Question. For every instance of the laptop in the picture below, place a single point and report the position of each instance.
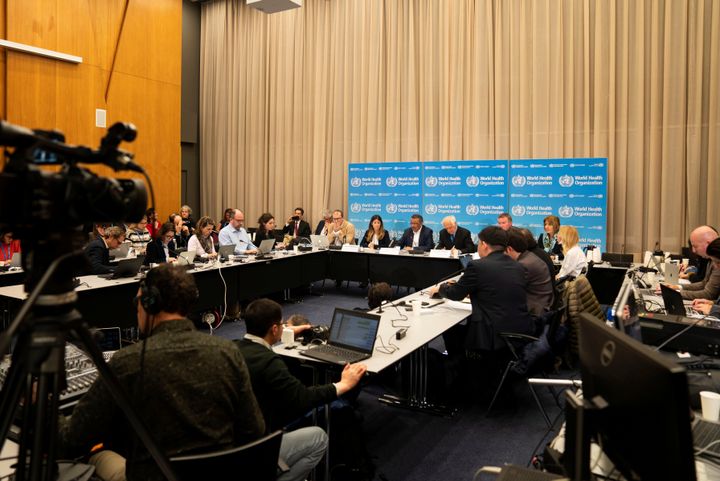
(672, 273)
(674, 303)
(266, 247)
(186, 258)
(16, 260)
(319, 241)
(125, 268)
(226, 251)
(352, 338)
(121, 252)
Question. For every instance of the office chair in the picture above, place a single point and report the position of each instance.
(255, 461)
(532, 356)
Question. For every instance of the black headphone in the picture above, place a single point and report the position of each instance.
(150, 297)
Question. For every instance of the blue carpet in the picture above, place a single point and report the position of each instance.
(412, 446)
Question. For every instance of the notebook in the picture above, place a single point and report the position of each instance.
(674, 302)
(319, 241)
(125, 268)
(352, 338)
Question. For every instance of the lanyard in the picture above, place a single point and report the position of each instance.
(6, 253)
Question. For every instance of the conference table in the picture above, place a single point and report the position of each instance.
(108, 302)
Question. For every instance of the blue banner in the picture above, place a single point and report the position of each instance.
(574, 190)
(391, 189)
(475, 192)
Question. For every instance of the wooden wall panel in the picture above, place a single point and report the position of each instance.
(144, 87)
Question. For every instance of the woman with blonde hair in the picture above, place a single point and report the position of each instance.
(574, 261)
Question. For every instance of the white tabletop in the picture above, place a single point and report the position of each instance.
(429, 324)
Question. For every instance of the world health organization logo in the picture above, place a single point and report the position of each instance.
(431, 209)
(472, 209)
(518, 210)
(566, 181)
(565, 211)
(472, 181)
(519, 181)
(391, 208)
(356, 182)
(391, 181)
(431, 181)
(355, 207)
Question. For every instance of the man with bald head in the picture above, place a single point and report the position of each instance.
(235, 234)
(455, 237)
(709, 287)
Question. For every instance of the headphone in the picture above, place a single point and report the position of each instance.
(150, 297)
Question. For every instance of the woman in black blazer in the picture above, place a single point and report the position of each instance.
(266, 228)
(155, 252)
(376, 236)
(548, 239)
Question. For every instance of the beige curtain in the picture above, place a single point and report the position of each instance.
(289, 99)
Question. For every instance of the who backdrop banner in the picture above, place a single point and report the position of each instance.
(574, 190)
(475, 192)
(391, 189)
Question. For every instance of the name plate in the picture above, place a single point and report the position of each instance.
(350, 248)
(441, 253)
(390, 250)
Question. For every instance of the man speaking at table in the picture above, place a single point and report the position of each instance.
(417, 236)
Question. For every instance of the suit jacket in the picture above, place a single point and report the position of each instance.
(384, 242)
(280, 395)
(496, 285)
(540, 283)
(99, 256)
(303, 229)
(463, 241)
(155, 252)
(708, 288)
(424, 243)
(320, 227)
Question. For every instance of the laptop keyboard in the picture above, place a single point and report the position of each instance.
(330, 353)
(704, 433)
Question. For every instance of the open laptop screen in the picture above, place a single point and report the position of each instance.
(354, 329)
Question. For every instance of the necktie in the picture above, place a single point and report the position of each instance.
(452, 239)
(296, 228)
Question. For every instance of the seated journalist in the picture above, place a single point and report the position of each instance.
(281, 396)
(98, 250)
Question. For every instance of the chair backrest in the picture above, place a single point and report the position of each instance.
(255, 461)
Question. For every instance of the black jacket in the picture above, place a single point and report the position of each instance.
(156, 254)
(556, 250)
(496, 285)
(303, 229)
(280, 395)
(384, 242)
(99, 256)
(424, 243)
(463, 241)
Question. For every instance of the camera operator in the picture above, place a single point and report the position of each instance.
(98, 251)
(206, 407)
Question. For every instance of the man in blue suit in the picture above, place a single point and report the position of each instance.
(417, 236)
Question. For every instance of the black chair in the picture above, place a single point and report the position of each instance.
(255, 461)
(532, 356)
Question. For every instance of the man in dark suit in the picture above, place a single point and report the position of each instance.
(539, 287)
(98, 251)
(281, 396)
(496, 286)
(325, 224)
(455, 237)
(296, 225)
(417, 236)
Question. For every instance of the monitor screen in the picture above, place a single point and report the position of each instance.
(645, 427)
